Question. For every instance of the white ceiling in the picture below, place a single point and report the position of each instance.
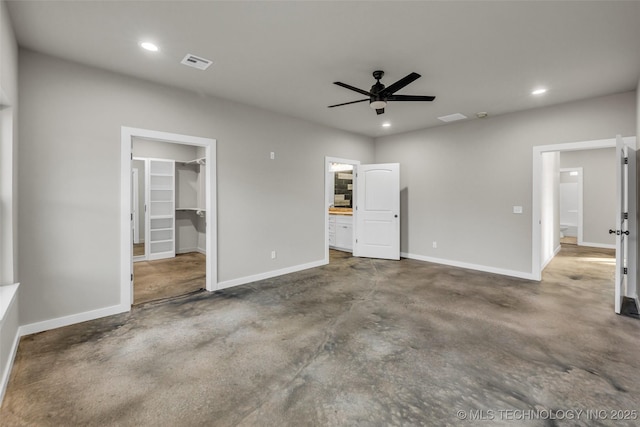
(473, 56)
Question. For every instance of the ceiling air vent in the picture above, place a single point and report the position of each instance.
(196, 62)
(452, 117)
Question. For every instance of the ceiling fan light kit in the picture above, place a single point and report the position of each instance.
(379, 95)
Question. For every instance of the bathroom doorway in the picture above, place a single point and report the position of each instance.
(339, 205)
(571, 205)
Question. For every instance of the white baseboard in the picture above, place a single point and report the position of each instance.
(45, 325)
(477, 267)
(269, 274)
(597, 245)
(190, 250)
(555, 252)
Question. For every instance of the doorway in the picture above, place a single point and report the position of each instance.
(571, 205)
(159, 237)
(339, 205)
(546, 215)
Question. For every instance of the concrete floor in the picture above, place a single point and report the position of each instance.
(169, 277)
(357, 342)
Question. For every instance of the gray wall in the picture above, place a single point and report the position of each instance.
(599, 192)
(71, 176)
(460, 181)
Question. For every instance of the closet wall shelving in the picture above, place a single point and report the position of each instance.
(196, 206)
(161, 195)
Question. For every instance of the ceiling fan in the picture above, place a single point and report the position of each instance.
(379, 95)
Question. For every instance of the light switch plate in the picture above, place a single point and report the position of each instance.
(517, 209)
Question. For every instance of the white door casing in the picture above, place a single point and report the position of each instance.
(126, 259)
(377, 214)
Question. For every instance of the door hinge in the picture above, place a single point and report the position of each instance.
(626, 215)
(626, 160)
(132, 277)
(131, 156)
(131, 217)
(356, 240)
(624, 270)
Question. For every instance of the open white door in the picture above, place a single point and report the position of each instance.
(621, 230)
(377, 214)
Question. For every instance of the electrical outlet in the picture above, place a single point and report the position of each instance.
(517, 209)
(273, 155)
(435, 245)
(273, 254)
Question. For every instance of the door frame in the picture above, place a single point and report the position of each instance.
(327, 190)
(536, 228)
(580, 191)
(126, 248)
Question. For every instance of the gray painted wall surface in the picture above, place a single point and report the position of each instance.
(460, 181)
(599, 191)
(71, 182)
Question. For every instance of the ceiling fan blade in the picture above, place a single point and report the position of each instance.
(410, 98)
(389, 90)
(355, 89)
(379, 111)
(347, 103)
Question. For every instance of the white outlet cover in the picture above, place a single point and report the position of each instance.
(517, 209)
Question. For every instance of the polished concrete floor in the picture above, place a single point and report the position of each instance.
(170, 277)
(357, 342)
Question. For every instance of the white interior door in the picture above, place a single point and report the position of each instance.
(622, 230)
(377, 214)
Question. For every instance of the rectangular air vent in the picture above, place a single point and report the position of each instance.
(452, 117)
(196, 62)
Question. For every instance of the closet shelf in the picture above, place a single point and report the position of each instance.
(200, 161)
(161, 217)
(198, 211)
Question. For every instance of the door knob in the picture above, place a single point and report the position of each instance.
(395, 216)
(612, 231)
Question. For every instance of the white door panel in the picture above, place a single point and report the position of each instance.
(378, 211)
(621, 230)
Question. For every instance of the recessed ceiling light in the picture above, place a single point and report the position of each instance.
(386, 125)
(149, 46)
(538, 91)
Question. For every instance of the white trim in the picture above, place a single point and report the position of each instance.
(536, 264)
(477, 267)
(327, 164)
(555, 252)
(189, 250)
(8, 300)
(127, 135)
(59, 322)
(270, 274)
(6, 373)
(7, 297)
(597, 245)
